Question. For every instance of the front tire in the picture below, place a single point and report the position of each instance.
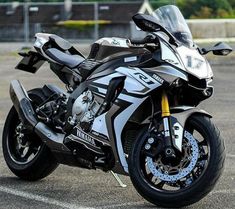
(202, 183)
(30, 159)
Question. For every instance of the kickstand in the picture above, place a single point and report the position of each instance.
(118, 179)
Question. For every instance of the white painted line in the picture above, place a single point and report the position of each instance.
(230, 155)
(122, 205)
(224, 191)
(40, 198)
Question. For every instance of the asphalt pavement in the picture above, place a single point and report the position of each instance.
(69, 187)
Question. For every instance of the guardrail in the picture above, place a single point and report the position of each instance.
(212, 28)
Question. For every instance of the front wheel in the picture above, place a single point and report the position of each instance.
(185, 179)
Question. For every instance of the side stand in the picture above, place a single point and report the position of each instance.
(118, 179)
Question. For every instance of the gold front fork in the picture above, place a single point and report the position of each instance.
(165, 105)
(169, 152)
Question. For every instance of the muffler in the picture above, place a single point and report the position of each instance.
(23, 106)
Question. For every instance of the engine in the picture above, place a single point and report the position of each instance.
(84, 110)
(86, 149)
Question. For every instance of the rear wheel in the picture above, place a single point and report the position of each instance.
(25, 154)
(187, 178)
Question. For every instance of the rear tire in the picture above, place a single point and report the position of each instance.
(200, 187)
(42, 164)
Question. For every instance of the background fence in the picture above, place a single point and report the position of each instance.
(77, 20)
(85, 21)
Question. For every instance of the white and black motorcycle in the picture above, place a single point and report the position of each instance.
(129, 108)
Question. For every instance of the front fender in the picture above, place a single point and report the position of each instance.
(179, 116)
(182, 113)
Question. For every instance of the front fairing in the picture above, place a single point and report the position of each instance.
(194, 62)
(182, 53)
(187, 59)
(169, 55)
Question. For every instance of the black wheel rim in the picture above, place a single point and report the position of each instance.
(171, 186)
(22, 147)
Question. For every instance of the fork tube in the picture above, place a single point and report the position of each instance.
(165, 114)
(165, 105)
(166, 123)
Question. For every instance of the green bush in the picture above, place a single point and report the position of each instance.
(82, 24)
(207, 8)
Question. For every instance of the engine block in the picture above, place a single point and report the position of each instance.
(84, 110)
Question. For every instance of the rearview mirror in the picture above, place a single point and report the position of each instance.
(221, 49)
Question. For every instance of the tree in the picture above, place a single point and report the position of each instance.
(232, 3)
(204, 12)
(187, 7)
(205, 8)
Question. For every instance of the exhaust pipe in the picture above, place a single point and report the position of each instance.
(23, 106)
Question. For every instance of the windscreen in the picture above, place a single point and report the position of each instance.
(171, 18)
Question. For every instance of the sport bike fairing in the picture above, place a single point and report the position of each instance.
(175, 39)
(138, 84)
(187, 59)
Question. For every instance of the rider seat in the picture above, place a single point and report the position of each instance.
(60, 42)
(63, 58)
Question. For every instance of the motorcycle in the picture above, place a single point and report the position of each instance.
(130, 107)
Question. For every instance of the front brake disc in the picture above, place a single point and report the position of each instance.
(156, 170)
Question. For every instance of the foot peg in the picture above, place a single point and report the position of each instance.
(118, 179)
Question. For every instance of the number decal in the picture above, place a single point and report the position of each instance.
(193, 62)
